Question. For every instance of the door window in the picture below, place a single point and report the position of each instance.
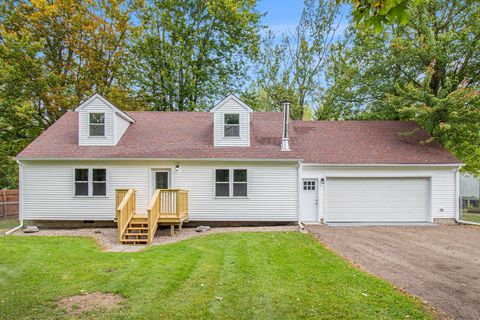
(161, 180)
(309, 185)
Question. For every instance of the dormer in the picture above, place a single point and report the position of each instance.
(100, 123)
(231, 123)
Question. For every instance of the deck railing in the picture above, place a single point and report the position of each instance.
(119, 195)
(153, 215)
(173, 203)
(125, 211)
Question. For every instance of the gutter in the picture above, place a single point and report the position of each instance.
(20, 202)
(165, 159)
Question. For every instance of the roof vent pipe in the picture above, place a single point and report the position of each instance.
(286, 117)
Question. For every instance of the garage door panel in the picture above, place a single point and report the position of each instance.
(377, 199)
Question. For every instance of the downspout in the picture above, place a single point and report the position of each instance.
(299, 195)
(20, 202)
(457, 195)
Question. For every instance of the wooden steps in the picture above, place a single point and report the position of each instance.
(137, 231)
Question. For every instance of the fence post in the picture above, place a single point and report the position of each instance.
(4, 193)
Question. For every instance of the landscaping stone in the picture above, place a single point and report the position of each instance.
(108, 238)
(31, 229)
(202, 228)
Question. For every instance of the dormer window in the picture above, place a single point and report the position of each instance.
(231, 123)
(97, 124)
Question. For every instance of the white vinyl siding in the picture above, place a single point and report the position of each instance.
(96, 106)
(272, 190)
(442, 183)
(121, 125)
(231, 107)
(115, 125)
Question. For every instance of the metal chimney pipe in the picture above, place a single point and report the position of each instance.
(286, 118)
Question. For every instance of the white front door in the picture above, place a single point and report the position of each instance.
(309, 200)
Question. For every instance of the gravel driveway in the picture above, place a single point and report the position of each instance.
(440, 264)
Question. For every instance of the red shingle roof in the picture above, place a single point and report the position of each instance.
(189, 135)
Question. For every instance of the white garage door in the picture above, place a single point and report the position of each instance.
(377, 200)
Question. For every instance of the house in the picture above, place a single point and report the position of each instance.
(469, 190)
(237, 165)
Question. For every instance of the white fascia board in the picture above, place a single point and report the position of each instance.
(160, 159)
(234, 97)
(455, 165)
(108, 103)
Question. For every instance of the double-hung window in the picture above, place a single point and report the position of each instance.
(231, 182)
(90, 182)
(222, 183)
(231, 125)
(81, 182)
(97, 124)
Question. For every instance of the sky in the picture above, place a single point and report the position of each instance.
(283, 15)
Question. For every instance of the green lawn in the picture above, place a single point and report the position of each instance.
(7, 224)
(255, 276)
(473, 217)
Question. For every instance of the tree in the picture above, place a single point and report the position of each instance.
(293, 68)
(377, 14)
(426, 70)
(53, 55)
(187, 53)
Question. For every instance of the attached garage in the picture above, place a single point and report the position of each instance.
(377, 200)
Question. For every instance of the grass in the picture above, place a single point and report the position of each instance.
(473, 217)
(7, 224)
(223, 276)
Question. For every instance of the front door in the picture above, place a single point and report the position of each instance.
(161, 180)
(309, 200)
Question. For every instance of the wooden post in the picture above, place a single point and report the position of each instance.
(172, 230)
(4, 193)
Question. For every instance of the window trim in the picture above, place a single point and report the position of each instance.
(224, 124)
(96, 124)
(90, 182)
(230, 183)
(75, 182)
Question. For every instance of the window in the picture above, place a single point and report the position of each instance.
(309, 185)
(81, 182)
(231, 123)
(97, 124)
(90, 182)
(99, 182)
(222, 183)
(230, 182)
(240, 183)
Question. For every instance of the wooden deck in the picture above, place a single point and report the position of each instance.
(167, 207)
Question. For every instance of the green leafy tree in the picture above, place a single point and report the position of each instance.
(53, 55)
(426, 70)
(377, 14)
(293, 67)
(187, 53)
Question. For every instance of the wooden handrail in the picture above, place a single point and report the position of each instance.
(119, 195)
(173, 202)
(153, 212)
(125, 211)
